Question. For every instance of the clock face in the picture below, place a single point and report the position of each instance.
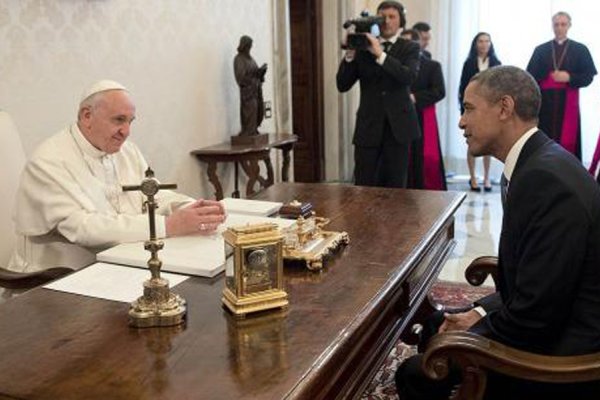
(257, 257)
(260, 268)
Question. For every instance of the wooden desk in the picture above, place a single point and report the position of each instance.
(248, 156)
(340, 325)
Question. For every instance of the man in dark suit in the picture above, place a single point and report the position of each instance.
(548, 298)
(386, 121)
(426, 167)
(424, 31)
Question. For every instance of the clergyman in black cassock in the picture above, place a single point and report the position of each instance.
(561, 67)
(426, 169)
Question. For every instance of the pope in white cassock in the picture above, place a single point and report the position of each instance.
(70, 204)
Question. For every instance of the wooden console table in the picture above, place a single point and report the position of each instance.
(248, 156)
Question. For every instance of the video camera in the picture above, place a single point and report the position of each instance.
(365, 23)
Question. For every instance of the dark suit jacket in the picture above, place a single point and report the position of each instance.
(549, 256)
(384, 93)
(429, 87)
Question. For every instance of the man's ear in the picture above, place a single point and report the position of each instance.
(85, 114)
(507, 107)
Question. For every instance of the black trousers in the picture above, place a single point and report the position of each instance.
(413, 384)
(385, 165)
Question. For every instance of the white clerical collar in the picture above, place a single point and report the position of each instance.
(86, 147)
(392, 40)
(515, 151)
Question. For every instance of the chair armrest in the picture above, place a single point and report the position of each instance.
(475, 355)
(28, 280)
(480, 268)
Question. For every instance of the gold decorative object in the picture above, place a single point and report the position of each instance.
(306, 240)
(295, 209)
(158, 306)
(254, 272)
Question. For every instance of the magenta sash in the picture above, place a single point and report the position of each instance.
(432, 176)
(596, 158)
(570, 125)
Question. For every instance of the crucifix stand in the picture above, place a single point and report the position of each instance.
(158, 306)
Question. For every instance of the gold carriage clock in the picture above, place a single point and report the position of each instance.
(254, 269)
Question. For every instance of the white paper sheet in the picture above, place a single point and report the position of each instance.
(250, 207)
(110, 282)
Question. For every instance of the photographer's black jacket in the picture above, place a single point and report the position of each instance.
(384, 93)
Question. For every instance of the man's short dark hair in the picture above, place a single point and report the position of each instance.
(507, 80)
(414, 35)
(397, 6)
(422, 27)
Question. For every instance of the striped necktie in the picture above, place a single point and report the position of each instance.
(386, 46)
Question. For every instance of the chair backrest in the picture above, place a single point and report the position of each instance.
(12, 161)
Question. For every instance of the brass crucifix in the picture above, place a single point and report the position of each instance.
(158, 306)
(149, 187)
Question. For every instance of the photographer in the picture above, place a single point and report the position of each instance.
(386, 121)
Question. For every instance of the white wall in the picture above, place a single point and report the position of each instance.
(175, 56)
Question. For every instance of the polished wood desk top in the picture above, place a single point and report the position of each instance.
(62, 346)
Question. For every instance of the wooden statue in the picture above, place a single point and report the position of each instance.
(250, 78)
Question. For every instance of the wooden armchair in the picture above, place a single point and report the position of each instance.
(475, 354)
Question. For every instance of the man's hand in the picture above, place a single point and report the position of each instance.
(561, 76)
(350, 53)
(459, 322)
(203, 216)
(374, 45)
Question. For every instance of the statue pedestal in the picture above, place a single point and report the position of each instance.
(261, 138)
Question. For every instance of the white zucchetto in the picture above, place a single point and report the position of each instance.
(102, 86)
